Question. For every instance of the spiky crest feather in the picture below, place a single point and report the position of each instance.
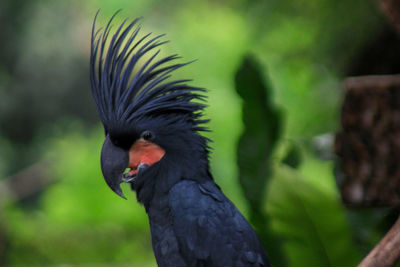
(122, 96)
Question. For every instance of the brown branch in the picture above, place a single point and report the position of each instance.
(387, 252)
(25, 183)
(391, 8)
(375, 81)
(368, 143)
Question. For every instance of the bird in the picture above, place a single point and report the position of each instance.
(153, 140)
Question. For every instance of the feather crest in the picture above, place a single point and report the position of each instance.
(124, 90)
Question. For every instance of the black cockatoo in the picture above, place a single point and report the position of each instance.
(152, 129)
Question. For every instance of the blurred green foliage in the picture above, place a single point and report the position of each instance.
(262, 130)
(263, 125)
(78, 221)
(310, 219)
(46, 113)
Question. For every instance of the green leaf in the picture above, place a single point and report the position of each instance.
(262, 122)
(311, 220)
(293, 156)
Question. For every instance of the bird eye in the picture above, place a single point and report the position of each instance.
(147, 135)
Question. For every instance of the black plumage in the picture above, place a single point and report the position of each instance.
(192, 222)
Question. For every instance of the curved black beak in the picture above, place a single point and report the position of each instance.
(114, 161)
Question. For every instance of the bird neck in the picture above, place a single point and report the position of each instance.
(163, 175)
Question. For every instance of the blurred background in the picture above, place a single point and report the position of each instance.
(306, 153)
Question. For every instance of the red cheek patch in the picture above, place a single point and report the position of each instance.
(143, 151)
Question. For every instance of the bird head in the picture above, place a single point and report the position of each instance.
(151, 123)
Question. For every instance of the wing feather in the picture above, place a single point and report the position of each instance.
(210, 230)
